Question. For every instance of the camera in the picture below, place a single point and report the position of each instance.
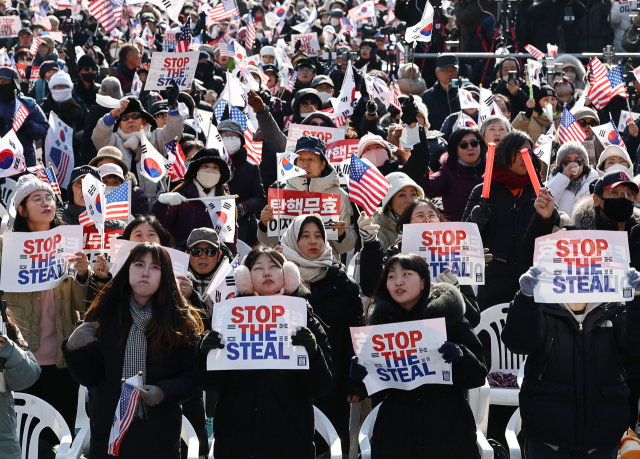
(68, 26)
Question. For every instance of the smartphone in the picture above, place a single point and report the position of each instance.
(512, 77)
(454, 83)
(558, 70)
(551, 75)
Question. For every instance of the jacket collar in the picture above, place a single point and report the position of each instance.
(586, 217)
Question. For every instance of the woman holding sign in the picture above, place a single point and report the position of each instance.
(335, 298)
(433, 420)
(268, 413)
(139, 323)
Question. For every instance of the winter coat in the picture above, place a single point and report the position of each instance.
(441, 424)
(620, 22)
(82, 94)
(40, 90)
(503, 235)
(71, 216)
(536, 125)
(454, 182)
(268, 413)
(327, 183)
(592, 26)
(26, 308)
(437, 148)
(440, 104)
(125, 75)
(565, 199)
(21, 370)
(499, 86)
(450, 123)
(105, 134)
(469, 15)
(548, 16)
(34, 127)
(387, 234)
(72, 112)
(375, 65)
(139, 202)
(88, 149)
(574, 393)
(100, 365)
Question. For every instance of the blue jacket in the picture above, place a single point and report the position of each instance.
(34, 128)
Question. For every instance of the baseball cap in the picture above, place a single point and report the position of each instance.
(312, 144)
(446, 60)
(111, 169)
(81, 171)
(207, 235)
(613, 179)
(321, 79)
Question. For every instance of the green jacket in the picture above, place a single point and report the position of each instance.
(387, 233)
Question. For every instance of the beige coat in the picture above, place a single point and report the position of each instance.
(537, 125)
(387, 234)
(26, 308)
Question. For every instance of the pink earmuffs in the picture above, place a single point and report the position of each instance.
(244, 284)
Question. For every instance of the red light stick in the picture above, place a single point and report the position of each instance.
(488, 170)
(532, 172)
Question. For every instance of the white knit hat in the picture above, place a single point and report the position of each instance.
(398, 180)
(614, 150)
(28, 184)
(368, 139)
(60, 78)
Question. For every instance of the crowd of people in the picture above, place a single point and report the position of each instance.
(428, 133)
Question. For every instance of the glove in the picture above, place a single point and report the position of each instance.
(83, 335)
(451, 352)
(634, 279)
(448, 277)
(241, 210)
(409, 111)
(255, 101)
(368, 230)
(212, 341)
(480, 215)
(488, 258)
(172, 199)
(304, 337)
(172, 94)
(357, 372)
(276, 106)
(529, 280)
(372, 108)
(153, 395)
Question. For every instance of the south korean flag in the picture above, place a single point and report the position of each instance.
(222, 211)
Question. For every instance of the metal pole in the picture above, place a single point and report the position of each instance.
(524, 55)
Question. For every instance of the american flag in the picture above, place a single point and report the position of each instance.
(600, 92)
(292, 81)
(52, 179)
(367, 186)
(347, 26)
(218, 109)
(184, 38)
(265, 77)
(237, 115)
(570, 128)
(251, 32)
(254, 149)
(42, 17)
(107, 13)
(118, 202)
(618, 83)
(61, 160)
(227, 49)
(177, 169)
(19, 114)
(125, 411)
(535, 52)
(393, 94)
(84, 219)
(135, 29)
(223, 10)
(35, 45)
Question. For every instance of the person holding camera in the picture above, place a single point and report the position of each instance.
(534, 120)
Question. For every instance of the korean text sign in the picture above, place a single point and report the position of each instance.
(256, 333)
(339, 155)
(454, 246)
(39, 261)
(295, 203)
(326, 134)
(164, 67)
(402, 355)
(92, 245)
(582, 266)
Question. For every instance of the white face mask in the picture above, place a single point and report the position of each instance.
(335, 22)
(377, 157)
(618, 167)
(192, 25)
(208, 178)
(232, 144)
(325, 20)
(108, 189)
(114, 52)
(324, 96)
(60, 95)
(572, 76)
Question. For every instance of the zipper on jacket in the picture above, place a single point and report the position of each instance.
(546, 360)
(580, 326)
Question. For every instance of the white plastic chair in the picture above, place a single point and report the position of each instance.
(83, 426)
(188, 435)
(35, 408)
(502, 359)
(366, 432)
(324, 428)
(511, 434)
(479, 403)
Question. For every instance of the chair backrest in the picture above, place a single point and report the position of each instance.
(492, 321)
(189, 436)
(37, 410)
(366, 433)
(81, 412)
(328, 432)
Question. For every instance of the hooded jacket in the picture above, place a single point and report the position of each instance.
(566, 199)
(499, 86)
(572, 61)
(537, 125)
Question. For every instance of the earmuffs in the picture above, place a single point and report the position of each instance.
(242, 276)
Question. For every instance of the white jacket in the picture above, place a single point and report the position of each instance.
(565, 199)
(620, 22)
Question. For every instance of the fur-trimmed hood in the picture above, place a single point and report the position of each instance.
(584, 217)
(444, 301)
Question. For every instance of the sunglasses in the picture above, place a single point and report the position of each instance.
(567, 161)
(131, 116)
(585, 123)
(198, 251)
(321, 124)
(305, 70)
(465, 145)
(308, 103)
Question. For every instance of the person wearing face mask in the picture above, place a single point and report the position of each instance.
(336, 15)
(206, 176)
(324, 85)
(71, 110)
(113, 50)
(245, 181)
(368, 55)
(47, 52)
(573, 69)
(534, 120)
(588, 118)
(86, 87)
(205, 73)
(614, 158)
(40, 89)
(515, 89)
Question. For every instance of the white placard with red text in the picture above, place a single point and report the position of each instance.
(10, 26)
(310, 44)
(120, 250)
(92, 243)
(295, 203)
(164, 67)
(326, 134)
(339, 155)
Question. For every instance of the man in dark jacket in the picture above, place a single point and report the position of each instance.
(551, 26)
(368, 55)
(442, 99)
(518, 92)
(129, 62)
(85, 88)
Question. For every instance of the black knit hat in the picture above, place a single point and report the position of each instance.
(136, 106)
(208, 155)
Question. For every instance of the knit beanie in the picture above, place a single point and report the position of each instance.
(585, 112)
(572, 147)
(28, 184)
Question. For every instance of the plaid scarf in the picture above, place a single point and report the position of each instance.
(201, 281)
(135, 353)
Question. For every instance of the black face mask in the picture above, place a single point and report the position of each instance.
(88, 77)
(203, 68)
(6, 92)
(619, 210)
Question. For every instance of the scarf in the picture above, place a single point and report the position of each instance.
(135, 353)
(132, 140)
(510, 180)
(576, 185)
(202, 191)
(311, 270)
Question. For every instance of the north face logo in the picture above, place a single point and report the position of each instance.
(605, 324)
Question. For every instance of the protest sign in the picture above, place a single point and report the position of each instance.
(165, 67)
(309, 43)
(256, 334)
(92, 243)
(342, 149)
(326, 134)
(454, 246)
(120, 250)
(10, 26)
(294, 203)
(39, 261)
(169, 40)
(402, 355)
(582, 266)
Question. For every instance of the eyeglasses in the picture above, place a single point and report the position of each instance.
(131, 116)
(421, 217)
(321, 124)
(308, 104)
(24, 59)
(38, 200)
(198, 251)
(159, 115)
(305, 70)
(465, 145)
(567, 161)
(617, 194)
(585, 123)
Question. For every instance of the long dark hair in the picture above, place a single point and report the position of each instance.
(174, 323)
(509, 148)
(21, 225)
(166, 239)
(454, 142)
(405, 218)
